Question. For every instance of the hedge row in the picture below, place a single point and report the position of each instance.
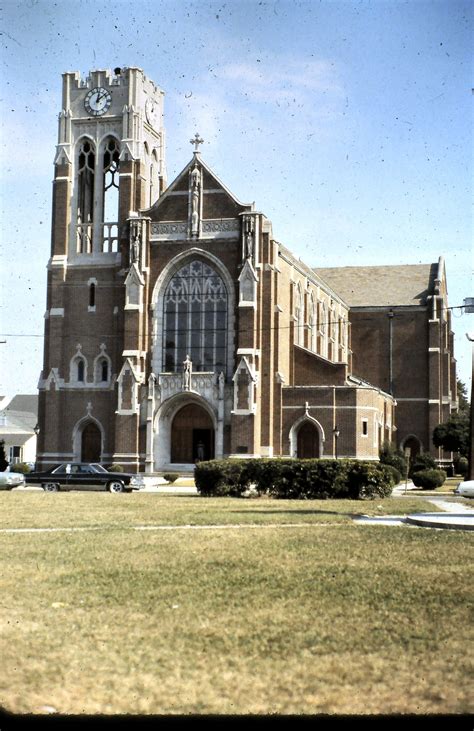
(295, 478)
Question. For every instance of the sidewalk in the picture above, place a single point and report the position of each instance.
(457, 515)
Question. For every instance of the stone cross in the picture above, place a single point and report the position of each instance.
(196, 141)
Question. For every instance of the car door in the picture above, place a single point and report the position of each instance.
(84, 478)
(75, 479)
(60, 476)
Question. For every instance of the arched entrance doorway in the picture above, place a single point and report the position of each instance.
(414, 445)
(307, 446)
(91, 443)
(192, 435)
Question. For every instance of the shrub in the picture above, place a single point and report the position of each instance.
(394, 473)
(115, 468)
(301, 479)
(461, 465)
(21, 467)
(3, 458)
(221, 477)
(392, 456)
(171, 476)
(422, 462)
(429, 479)
(368, 480)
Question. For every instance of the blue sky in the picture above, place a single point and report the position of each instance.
(348, 123)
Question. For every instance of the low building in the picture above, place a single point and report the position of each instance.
(18, 419)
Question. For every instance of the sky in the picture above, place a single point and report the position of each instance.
(348, 123)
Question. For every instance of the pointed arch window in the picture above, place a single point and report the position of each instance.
(195, 308)
(85, 196)
(313, 323)
(80, 370)
(103, 370)
(299, 317)
(110, 193)
(323, 329)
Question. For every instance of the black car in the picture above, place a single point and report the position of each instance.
(79, 476)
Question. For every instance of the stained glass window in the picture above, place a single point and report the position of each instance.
(195, 319)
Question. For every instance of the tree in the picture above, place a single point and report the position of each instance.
(3, 459)
(462, 396)
(453, 435)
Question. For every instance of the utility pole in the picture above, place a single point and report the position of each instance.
(470, 469)
(469, 308)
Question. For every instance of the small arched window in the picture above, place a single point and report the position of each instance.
(92, 294)
(80, 370)
(104, 370)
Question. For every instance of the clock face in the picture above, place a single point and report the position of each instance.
(152, 112)
(97, 101)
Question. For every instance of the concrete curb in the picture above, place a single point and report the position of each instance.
(437, 520)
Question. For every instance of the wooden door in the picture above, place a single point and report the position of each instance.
(192, 435)
(91, 446)
(308, 441)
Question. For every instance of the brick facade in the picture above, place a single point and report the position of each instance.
(188, 330)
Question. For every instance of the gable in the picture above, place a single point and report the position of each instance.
(217, 200)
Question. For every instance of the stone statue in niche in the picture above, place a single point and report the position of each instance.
(248, 244)
(195, 183)
(135, 238)
(187, 373)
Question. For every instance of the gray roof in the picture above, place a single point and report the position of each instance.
(18, 438)
(382, 286)
(24, 402)
(21, 413)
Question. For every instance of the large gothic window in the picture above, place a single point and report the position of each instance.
(85, 197)
(110, 187)
(195, 319)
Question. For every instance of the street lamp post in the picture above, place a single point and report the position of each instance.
(336, 433)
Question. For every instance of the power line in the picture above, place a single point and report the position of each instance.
(318, 324)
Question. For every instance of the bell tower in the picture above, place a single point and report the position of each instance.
(109, 165)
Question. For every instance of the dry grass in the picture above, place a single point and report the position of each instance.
(326, 618)
(37, 509)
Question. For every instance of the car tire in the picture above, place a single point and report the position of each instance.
(51, 487)
(115, 486)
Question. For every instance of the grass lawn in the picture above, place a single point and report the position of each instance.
(324, 616)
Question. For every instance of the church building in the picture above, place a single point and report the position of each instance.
(179, 329)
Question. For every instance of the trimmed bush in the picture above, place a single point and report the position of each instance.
(20, 467)
(170, 476)
(115, 468)
(298, 479)
(429, 479)
(422, 462)
(221, 477)
(369, 480)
